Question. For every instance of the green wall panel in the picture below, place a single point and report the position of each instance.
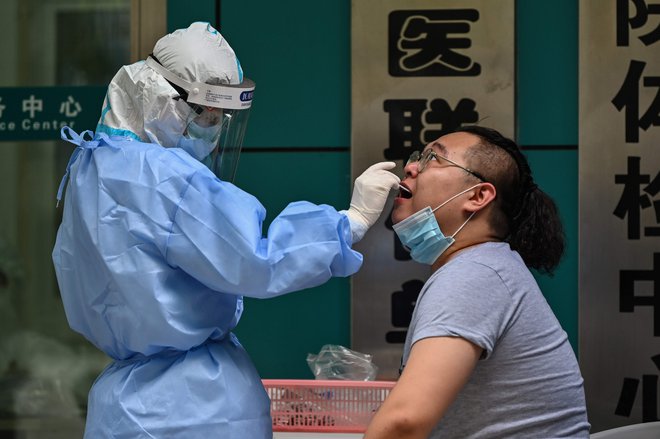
(180, 13)
(278, 178)
(547, 72)
(298, 53)
(556, 173)
(547, 114)
(279, 333)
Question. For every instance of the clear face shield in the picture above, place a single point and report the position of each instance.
(216, 125)
(224, 160)
(214, 136)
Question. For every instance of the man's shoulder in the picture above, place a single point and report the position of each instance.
(496, 255)
(486, 254)
(489, 263)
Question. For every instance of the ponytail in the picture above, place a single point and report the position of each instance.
(536, 231)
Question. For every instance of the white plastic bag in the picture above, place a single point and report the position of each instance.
(335, 362)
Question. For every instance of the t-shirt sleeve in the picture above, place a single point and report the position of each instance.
(467, 300)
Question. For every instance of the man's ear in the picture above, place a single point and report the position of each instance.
(481, 196)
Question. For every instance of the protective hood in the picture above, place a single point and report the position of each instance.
(190, 93)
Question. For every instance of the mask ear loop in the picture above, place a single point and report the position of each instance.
(466, 221)
(458, 195)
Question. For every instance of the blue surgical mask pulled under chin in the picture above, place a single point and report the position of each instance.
(420, 233)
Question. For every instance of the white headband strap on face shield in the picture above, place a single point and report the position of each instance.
(233, 97)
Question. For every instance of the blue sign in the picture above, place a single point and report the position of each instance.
(39, 113)
(247, 95)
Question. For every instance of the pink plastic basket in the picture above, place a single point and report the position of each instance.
(324, 405)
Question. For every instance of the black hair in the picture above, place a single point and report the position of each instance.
(526, 215)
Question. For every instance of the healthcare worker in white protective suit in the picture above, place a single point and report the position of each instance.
(157, 249)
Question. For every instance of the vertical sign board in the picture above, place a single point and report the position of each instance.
(420, 68)
(620, 210)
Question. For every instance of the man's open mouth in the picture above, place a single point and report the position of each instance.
(404, 192)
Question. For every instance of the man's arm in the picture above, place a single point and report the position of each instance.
(437, 369)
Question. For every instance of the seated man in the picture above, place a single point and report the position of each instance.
(484, 356)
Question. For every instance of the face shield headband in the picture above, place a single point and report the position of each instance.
(233, 97)
(215, 128)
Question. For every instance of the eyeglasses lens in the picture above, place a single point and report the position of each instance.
(422, 159)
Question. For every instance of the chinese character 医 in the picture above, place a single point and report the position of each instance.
(424, 43)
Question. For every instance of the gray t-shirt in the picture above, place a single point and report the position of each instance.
(528, 383)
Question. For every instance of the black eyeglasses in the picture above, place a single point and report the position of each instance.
(425, 157)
